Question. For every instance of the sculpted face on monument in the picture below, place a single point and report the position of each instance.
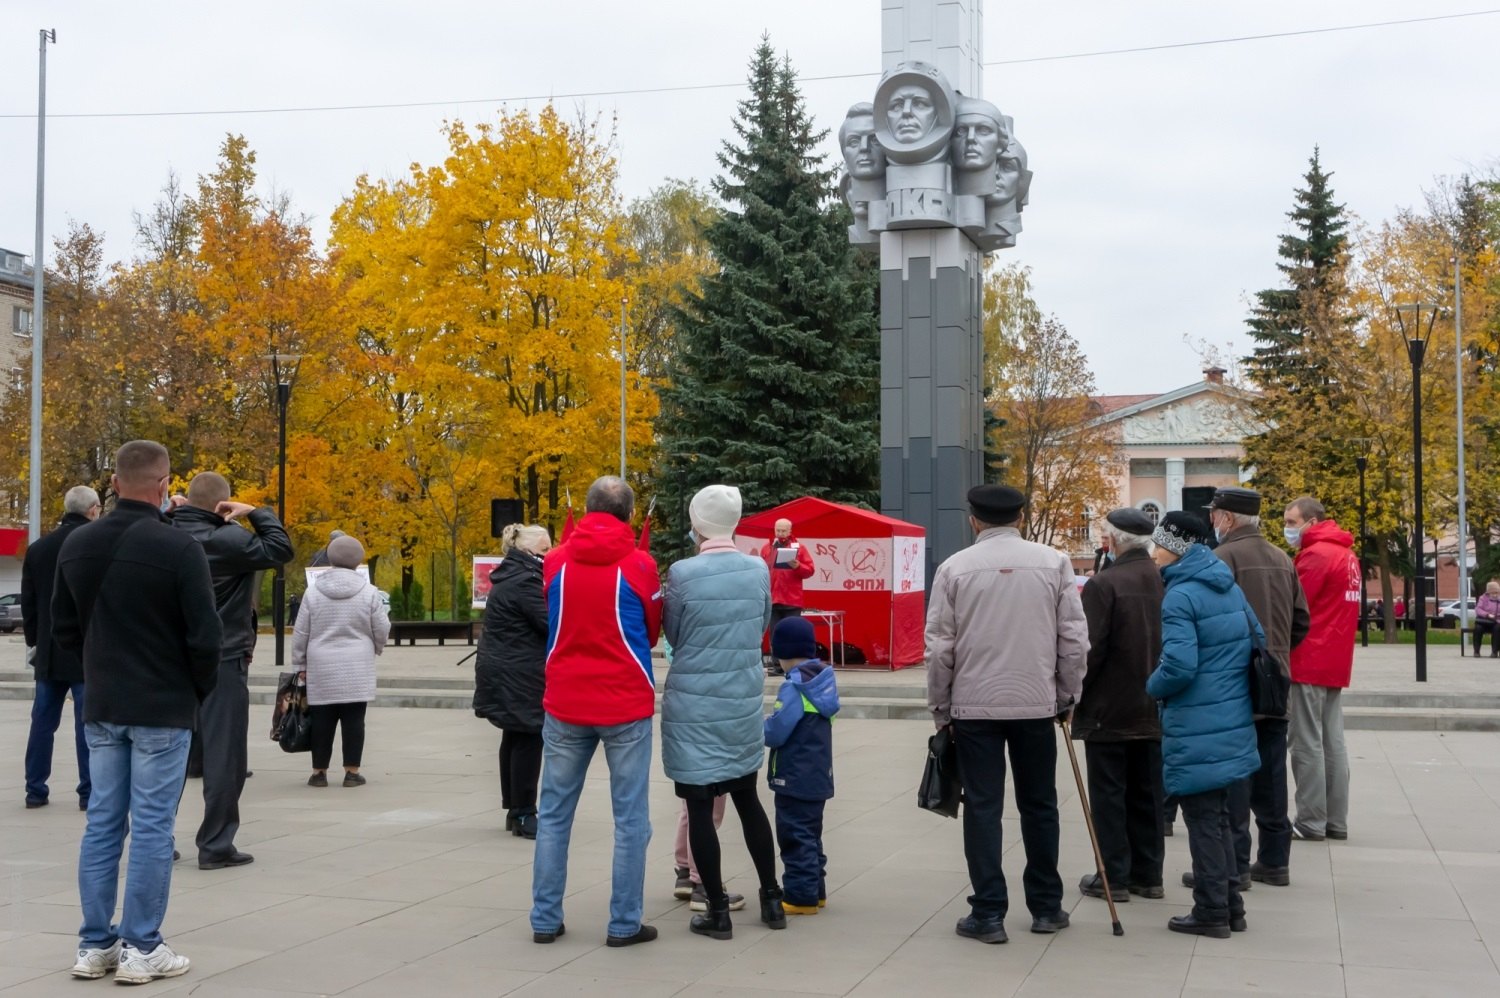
(978, 135)
(1013, 177)
(911, 112)
(863, 156)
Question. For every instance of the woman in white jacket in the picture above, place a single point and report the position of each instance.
(342, 625)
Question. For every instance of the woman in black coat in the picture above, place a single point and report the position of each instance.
(509, 669)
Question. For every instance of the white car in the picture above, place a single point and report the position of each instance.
(1450, 609)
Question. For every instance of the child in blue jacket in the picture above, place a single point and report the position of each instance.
(799, 733)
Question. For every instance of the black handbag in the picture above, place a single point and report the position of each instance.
(1270, 686)
(940, 791)
(295, 732)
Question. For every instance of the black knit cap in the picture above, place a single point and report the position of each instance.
(995, 503)
(1179, 530)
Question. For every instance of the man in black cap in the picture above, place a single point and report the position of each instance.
(1116, 719)
(1266, 575)
(1006, 648)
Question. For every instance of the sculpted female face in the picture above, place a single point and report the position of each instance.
(911, 112)
(862, 153)
(976, 141)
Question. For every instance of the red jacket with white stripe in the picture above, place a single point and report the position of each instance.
(1329, 572)
(603, 616)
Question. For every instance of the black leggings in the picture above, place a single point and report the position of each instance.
(520, 768)
(350, 717)
(704, 841)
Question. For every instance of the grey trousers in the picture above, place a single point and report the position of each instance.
(1320, 763)
(224, 726)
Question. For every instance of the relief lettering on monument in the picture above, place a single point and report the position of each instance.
(924, 156)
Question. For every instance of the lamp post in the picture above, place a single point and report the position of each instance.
(1364, 621)
(1463, 499)
(1416, 349)
(284, 371)
(624, 303)
(38, 299)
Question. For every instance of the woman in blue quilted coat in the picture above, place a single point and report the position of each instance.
(1208, 736)
(717, 606)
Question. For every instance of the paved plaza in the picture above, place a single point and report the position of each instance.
(408, 887)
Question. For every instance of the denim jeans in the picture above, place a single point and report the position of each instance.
(46, 715)
(566, 752)
(138, 772)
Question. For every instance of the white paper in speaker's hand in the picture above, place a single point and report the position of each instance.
(786, 556)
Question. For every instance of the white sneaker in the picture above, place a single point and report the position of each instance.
(95, 963)
(142, 968)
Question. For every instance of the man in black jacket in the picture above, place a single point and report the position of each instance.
(235, 555)
(134, 597)
(58, 670)
(1116, 718)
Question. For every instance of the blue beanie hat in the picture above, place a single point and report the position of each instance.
(793, 638)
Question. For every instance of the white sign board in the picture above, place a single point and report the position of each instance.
(859, 564)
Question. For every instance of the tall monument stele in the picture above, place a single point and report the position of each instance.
(936, 179)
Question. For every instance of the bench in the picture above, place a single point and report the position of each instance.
(1463, 640)
(412, 630)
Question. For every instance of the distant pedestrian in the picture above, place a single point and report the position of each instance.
(509, 669)
(236, 556)
(799, 733)
(1115, 717)
(712, 744)
(1265, 575)
(1322, 666)
(1486, 618)
(1006, 649)
(603, 616)
(320, 556)
(341, 629)
(134, 598)
(59, 671)
(1208, 735)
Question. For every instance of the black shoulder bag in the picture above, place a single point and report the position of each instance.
(1269, 684)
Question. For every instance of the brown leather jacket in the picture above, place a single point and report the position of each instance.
(1123, 608)
(1269, 580)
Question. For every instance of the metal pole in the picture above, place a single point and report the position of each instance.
(1463, 501)
(1364, 623)
(38, 301)
(1416, 348)
(623, 303)
(278, 584)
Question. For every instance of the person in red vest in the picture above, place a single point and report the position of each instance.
(790, 562)
(1321, 669)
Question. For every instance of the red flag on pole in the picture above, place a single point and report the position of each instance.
(567, 526)
(645, 542)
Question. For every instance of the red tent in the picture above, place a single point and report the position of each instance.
(869, 566)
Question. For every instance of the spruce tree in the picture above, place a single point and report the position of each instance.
(774, 383)
(1297, 330)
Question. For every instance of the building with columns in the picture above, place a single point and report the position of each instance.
(1178, 447)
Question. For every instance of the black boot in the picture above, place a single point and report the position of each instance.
(770, 907)
(526, 823)
(714, 923)
(510, 821)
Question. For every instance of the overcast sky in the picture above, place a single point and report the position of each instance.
(1162, 178)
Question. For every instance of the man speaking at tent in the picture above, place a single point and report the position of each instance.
(790, 563)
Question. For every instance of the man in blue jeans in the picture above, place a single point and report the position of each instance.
(603, 616)
(59, 671)
(135, 600)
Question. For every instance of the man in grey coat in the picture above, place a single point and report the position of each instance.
(1006, 651)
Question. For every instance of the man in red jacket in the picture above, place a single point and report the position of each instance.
(789, 563)
(1321, 666)
(603, 616)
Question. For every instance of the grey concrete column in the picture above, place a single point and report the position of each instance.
(1176, 477)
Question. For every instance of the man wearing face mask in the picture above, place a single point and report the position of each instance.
(1270, 584)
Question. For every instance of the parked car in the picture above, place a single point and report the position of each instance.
(10, 612)
(1450, 609)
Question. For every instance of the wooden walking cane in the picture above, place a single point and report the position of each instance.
(1088, 818)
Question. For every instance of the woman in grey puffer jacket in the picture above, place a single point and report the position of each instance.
(342, 625)
(712, 742)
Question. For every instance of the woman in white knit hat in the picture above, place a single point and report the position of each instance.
(717, 606)
(342, 626)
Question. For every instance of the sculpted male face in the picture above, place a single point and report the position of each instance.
(911, 112)
(976, 141)
(862, 153)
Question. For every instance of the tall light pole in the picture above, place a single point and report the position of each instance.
(624, 303)
(38, 302)
(284, 371)
(1416, 349)
(1463, 499)
(1361, 462)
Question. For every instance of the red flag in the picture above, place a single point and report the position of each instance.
(645, 542)
(567, 526)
